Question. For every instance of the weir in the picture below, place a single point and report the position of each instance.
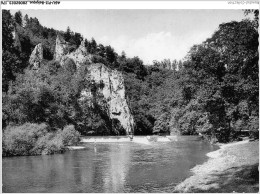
(136, 139)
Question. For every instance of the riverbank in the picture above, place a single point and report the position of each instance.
(232, 168)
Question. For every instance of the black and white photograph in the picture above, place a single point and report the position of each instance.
(147, 98)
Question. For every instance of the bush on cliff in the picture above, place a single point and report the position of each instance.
(37, 139)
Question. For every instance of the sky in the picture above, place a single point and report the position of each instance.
(148, 34)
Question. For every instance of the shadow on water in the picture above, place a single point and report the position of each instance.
(107, 167)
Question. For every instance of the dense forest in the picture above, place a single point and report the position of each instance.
(214, 91)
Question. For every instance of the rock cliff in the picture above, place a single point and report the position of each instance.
(36, 56)
(61, 48)
(112, 90)
(79, 56)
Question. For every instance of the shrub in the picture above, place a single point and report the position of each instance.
(51, 143)
(70, 136)
(54, 145)
(37, 139)
(20, 140)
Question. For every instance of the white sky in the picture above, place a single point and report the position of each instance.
(149, 34)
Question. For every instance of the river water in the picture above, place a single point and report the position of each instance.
(107, 167)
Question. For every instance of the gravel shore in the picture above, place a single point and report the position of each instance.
(232, 168)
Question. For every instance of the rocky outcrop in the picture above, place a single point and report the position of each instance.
(61, 48)
(111, 83)
(62, 54)
(36, 56)
(113, 91)
(80, 55)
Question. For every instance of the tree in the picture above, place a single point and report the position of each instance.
(256, 16)
(101, 50)
(10, 67)
(110, 54)
(92, 46)
(78, 38)
(166, 64)
(11, 61)
(123, 55)
(35, 27)
(18, 18)
(67, 35)
(174, 65)
(222, 76)
(7, 29)
(180, 65)
(86, 43)
(26, 20)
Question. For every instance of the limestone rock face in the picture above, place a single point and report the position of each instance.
(36, 56)
(60, 48)
(79, 56)
(112, 90)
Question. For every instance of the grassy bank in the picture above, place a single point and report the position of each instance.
(232, 168)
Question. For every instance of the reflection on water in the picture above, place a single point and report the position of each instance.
(118, 166)
(107, 167)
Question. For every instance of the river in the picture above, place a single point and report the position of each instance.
(107, 167)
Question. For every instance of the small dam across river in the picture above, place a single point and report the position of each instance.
(135, 139)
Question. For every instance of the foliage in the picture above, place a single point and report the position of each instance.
(10, 57)
(70, 136)
(213, 92)
(254, 126)
(18, 18)
(52, 95)
(7, 28)
(222, 76)
(72, 38)
(37, 139)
